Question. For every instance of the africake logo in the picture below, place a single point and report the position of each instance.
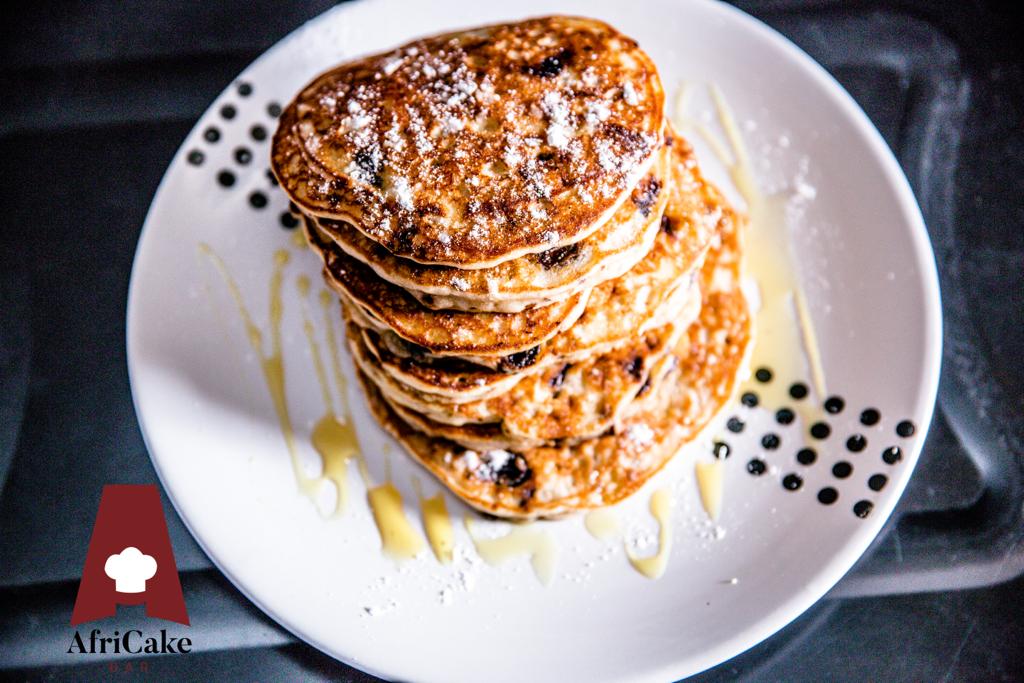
(130, 562)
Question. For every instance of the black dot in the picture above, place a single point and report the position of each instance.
(258, 133)
(258, 200)
(211, 134)
(798, 390)
(243, 155)
(271, 178)
(820, 430)
(870, 417)
(791, 482)
(289, 221)
(842, 469)
(274, 109)
(784, 416)
(721, 450)
(763, 375)
(834, 404)
(195, 157)
(877, 482)
(828, 495)
(244, 89)
(749, 399)
(735, 425)
(806, 456)
(856, 443)
(228, 111)
(892, 455)
(905, 428)
(756, 467)
(292, 207)
(862, 508)
(770, 441)
(226, 178)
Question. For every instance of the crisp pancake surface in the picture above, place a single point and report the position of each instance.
(533, 279)
(384, 306)
(551, 481)
(655, 291)
(475, 147)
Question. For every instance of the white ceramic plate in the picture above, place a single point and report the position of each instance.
(214, 438)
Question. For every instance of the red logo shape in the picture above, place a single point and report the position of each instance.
(130, 560)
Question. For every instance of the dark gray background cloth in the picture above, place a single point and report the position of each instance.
(96, 98)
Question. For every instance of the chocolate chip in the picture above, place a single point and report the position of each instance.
(519, 361)
(553, 258)
(557, 380)
(635, 367)
(669, 225)
(550, 66)
(514, 472)
(646, 194)
(371, 165)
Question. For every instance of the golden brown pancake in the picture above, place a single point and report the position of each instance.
(531, 280)
(655, 291)
(479, 146)
(551, 481)
(383, 306)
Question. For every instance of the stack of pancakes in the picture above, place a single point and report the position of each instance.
(541, 291)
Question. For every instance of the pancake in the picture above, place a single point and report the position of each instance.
(655, 291)
(530, 280)
(475, 147)
(555, 480)
(457, 381)
(384, 306)
(568, 402)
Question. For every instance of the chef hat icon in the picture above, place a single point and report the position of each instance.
(130, 570)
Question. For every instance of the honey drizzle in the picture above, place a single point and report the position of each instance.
(654, 566)
(272, 365)
(522, 540)
(334, 436)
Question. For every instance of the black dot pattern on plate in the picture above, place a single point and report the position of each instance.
(258, 133)
(228, 111)
(856, 443)
(749, 399)
(798, 390)
(735, 425)
(757, 467)
(274, 110)
(721, 450)
(834, 405)
(828, 495)
(763, 375)
(226, 178)
(862, 508)
(243, 155)
(770, 441)
(258, 200)
(877, 482)
(842, 470)
(211, 134)
(784, 416)
(271, 178)
(244, 89)
(196, 157)
(892, 455)
(289, 221)
(905, 428)
(806, 456)
(792, 482)
(820, 430)
(869, 417)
